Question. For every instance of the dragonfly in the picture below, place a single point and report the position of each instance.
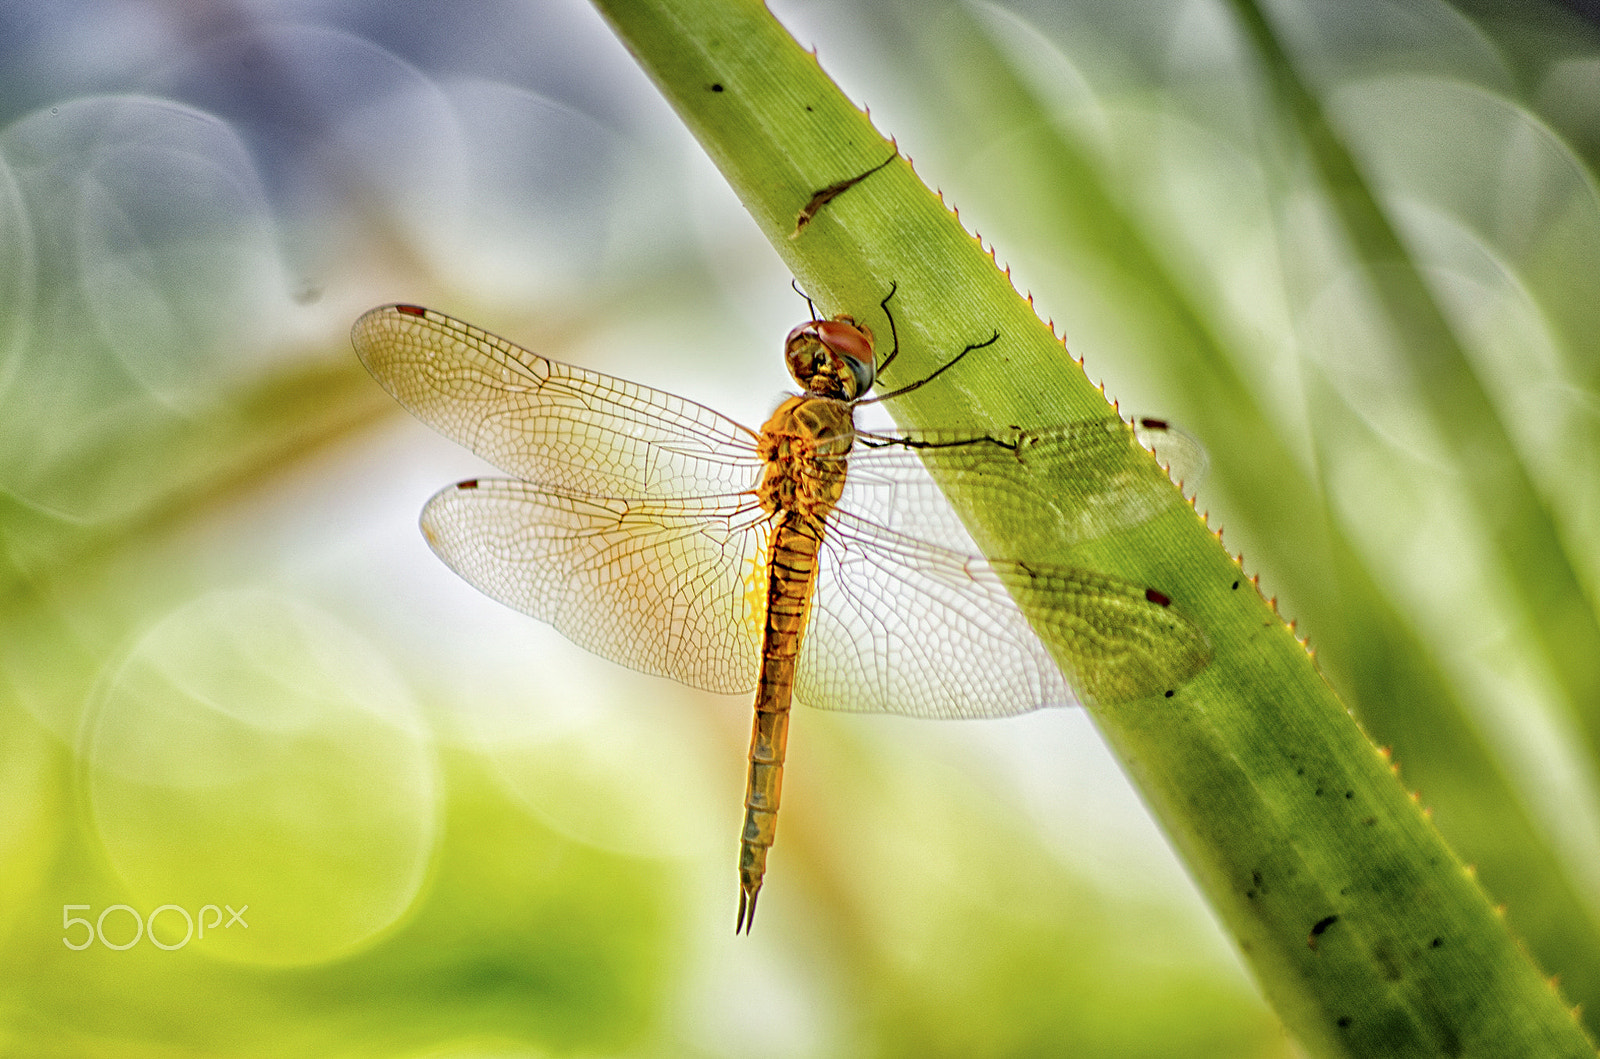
(807, 561)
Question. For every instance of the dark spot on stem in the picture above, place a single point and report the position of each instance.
(823, 196)
(1318, 928)
(716, 87)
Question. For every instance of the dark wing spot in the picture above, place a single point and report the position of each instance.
(1158, 597)
(411, 310)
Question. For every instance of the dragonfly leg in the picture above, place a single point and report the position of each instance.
(811, 306)
(894, 334)
(940, 370)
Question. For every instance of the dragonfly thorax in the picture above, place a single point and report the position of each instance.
(831, 358)
(804, 447)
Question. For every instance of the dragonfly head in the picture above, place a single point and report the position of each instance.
(831, 358)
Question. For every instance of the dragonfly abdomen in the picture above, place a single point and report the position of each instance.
(791, 578)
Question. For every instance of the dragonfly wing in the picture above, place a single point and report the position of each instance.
(902, 626)
(1178, 452)
(568, 429)
(673, 588)
(1059, 485)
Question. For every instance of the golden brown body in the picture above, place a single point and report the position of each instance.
(805, 445)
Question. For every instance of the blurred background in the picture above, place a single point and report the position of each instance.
(274, 782)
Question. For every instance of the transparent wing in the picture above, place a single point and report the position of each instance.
(671, 587)
(639, 537)
(562, 427)
(901, 626)
(1177, 451)
(1048, 487)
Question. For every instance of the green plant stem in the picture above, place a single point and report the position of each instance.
(1370, 652)
(1368, 935)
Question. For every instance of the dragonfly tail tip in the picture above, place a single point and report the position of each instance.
(747, 911)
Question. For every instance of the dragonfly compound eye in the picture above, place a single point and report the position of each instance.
(833, 358)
